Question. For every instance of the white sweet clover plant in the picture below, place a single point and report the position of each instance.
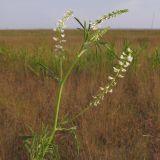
(43, 145)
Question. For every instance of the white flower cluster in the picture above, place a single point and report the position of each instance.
(59, 31)
(125, 60)
(107, 16)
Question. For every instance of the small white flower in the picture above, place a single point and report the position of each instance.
(127, 64)
(129, 50)
(106, 91)
(95, 104)
(110, 78)
(107, 87)
(94, 97)
(123, 70)
(62, 31)
(69, 12)
(121, 63)
(124, 54)
(59, 46)
(98, 102)
(116, 69)
(55, 38)
(92, 24)
(120, 76)
(63, 41)
(110, 91)
(101, 88)
(130, 58)
(122, 57)
(102, 20)
(60, 21)
(102, 97)
(62, 35)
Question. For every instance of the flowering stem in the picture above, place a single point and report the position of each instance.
(84, 110)
(110, 85)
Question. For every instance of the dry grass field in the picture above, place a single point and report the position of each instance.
(126, 126)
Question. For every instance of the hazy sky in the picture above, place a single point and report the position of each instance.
(45, 13)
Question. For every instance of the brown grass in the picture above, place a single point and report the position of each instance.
(126, 126)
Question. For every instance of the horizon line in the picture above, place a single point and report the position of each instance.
(1, 29)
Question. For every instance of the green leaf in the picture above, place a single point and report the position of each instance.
(79, 22)
(49, 70)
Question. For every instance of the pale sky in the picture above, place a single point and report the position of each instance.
(30, 14)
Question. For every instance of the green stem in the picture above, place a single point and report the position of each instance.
(80, 113)
(61, 68)
(59, 95)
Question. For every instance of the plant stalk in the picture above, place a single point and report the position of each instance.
(59, 96)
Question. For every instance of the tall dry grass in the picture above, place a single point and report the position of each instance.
(125, 126)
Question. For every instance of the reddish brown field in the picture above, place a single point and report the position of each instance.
(126, 126)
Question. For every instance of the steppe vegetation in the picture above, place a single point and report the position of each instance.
(126, 125)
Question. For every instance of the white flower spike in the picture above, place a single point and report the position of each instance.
(126, 59)
(59, 32)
